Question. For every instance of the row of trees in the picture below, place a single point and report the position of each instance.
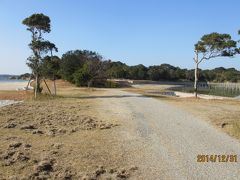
(87, 68)
(119, 70)
(66, 68)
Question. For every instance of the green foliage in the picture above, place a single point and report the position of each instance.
(24, 76)
(221, 75)
(80, 67)
(41, 47)
(138, 72)
(111, 84)
(72, 61)
(216, 45)
(50, 67)
(38, 23)
(82, 76)
(117, 70)
(166, 72)
(154, 73)
(83, 67)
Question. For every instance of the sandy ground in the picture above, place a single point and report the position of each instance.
(63, 138)
(109, 134)
(202, 96)
(12, 85)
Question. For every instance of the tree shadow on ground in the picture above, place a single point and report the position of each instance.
(105, 97)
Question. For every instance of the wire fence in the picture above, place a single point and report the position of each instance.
(218, 89)
(225, 89)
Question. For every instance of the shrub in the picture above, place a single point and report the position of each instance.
(81, 77)
(111, 84)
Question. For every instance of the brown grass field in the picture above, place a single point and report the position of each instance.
(62, 137)
(59, 138)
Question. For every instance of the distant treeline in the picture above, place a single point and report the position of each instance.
(171, 73)
(86, 68)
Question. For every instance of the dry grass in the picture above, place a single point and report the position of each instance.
(15, 95)
(68, 134)
(68, 90)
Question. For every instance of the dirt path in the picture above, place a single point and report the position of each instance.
(164, 141)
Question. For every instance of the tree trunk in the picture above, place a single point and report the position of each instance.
(196, 81)
(36, 86)
(29, 82)
(47, 87)
(54, 84)
(196, 75)
(89, 83)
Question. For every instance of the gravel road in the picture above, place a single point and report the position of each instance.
(164, 141)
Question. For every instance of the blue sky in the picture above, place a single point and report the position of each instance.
(133, 31)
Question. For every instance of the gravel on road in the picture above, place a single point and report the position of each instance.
(165, 141)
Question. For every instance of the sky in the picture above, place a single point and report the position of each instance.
(149, 32)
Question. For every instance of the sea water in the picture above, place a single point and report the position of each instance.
(6, 78)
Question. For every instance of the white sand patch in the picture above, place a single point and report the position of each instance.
(7, 102)
(9, 86)
(203, 96)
